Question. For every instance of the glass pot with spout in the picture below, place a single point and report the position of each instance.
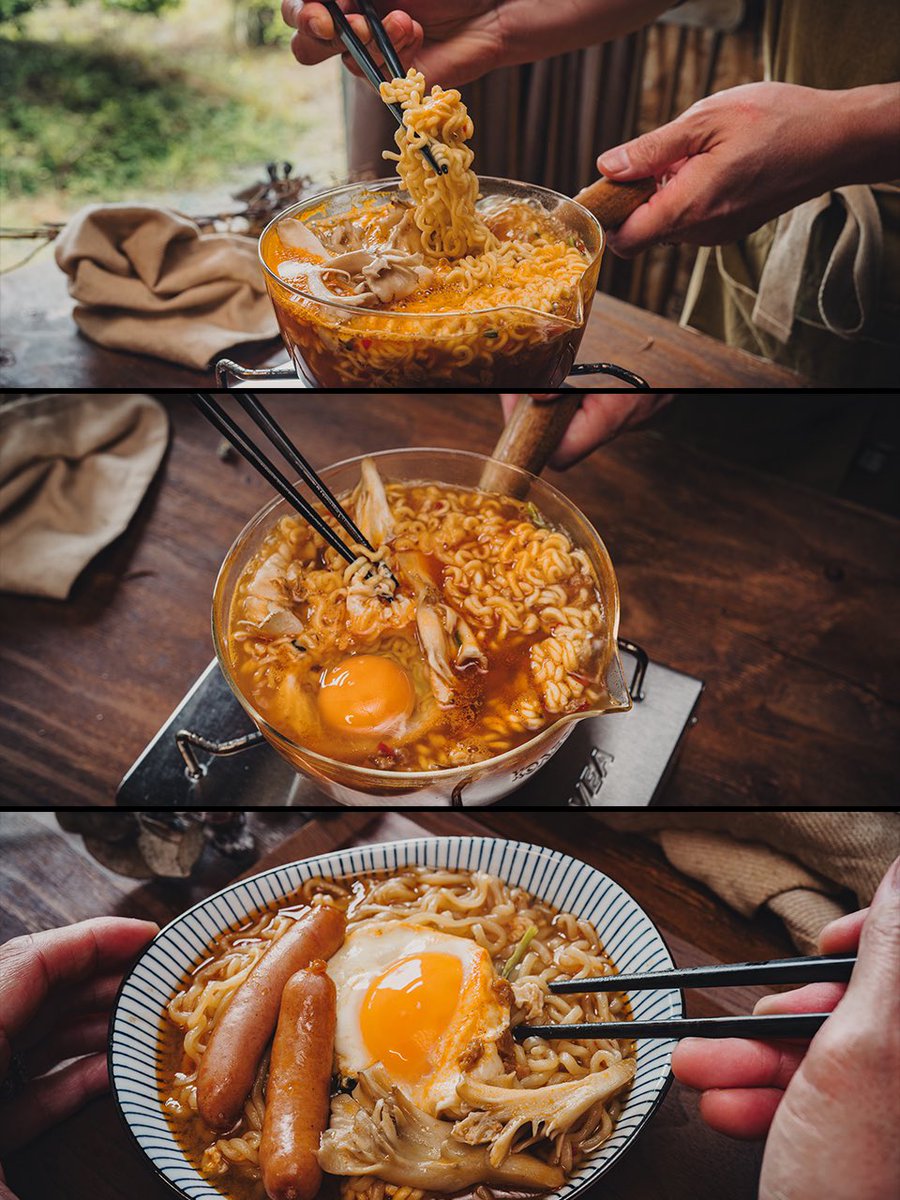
(481, 783)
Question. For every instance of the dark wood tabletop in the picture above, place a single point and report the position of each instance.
(49, 880)
(40, 347)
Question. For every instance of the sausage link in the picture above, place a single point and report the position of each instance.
(297, 1095)
(243, 1028)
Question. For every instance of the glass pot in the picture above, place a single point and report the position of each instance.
(480, 783)
(510, 347)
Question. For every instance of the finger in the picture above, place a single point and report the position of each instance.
(744, 1113)
(406, 34)
(878, 957)
(86, 1035)
(596, 422)
(317, 38)
(735, 1063)
(509, 400)
(93, 996)
(660, 219)
(656, 152)
(47, 1101)
(842, 936)
(33, 966)
(812, 998)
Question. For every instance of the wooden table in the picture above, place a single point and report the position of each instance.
(779, 597)
(40, 347)
(50, 880)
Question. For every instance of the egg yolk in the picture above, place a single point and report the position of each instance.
(407, 1011)
(365, 694)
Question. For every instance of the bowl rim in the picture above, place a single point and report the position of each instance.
(393, 183)
(423, 845)
(373, 775)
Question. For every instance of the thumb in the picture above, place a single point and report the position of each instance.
(878, 958)
(652, 153)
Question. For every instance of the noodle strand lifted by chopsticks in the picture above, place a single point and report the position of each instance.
(444, 204)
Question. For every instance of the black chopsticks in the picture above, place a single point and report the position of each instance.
(369, 67)
(789, 1025)
(217, 416)
(276, 435)
(823, 968)
(384, 43)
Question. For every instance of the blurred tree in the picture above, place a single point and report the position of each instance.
(254, 22)
(12, 11)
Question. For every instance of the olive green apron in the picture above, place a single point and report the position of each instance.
(818, 289)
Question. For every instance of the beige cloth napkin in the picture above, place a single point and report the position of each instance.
(147, 280)
(73, 470)
(807, 867)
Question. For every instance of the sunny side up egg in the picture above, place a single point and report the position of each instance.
(415, 999)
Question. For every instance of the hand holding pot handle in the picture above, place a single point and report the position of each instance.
(612, 202)
(534, 431)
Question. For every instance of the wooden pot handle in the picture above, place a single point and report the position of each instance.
(531, 435)
(613, 203)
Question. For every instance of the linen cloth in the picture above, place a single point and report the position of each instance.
(73, 470)
(806, 867)
(149, 281)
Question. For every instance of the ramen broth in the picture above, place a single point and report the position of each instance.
(351, 677)
(229, 1161)
(436, 283)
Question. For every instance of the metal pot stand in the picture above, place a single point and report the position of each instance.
(208, 754)
(230, 374)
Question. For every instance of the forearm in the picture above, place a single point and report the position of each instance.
(535, 29)
(867, 134)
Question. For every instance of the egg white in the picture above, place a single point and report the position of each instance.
(478, 1016)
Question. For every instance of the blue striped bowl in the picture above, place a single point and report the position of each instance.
(629, 937)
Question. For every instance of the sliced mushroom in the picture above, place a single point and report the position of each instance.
(497, 1114)
(370, 505)
(394, 275)
(296, 236)
(379, 1131)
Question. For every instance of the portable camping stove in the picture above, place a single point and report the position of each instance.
(209, 754)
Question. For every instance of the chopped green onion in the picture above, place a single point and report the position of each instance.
(491, 333)
(536, 516)
(519, 953)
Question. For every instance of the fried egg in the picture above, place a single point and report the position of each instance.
(423, 1003)
(366, 694)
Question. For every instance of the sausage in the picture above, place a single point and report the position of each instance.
(297, 1095)
(244, 1027)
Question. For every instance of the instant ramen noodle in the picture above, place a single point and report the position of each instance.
(470, 626)
(426, 973)
(433, 285)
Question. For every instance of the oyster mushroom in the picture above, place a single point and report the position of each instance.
(496, 1114)
(377, 1130)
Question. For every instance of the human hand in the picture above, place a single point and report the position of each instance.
(455, 41)
(731, 162)
(831, 1107)
(599, 419)
(56, 991)
(458, 39)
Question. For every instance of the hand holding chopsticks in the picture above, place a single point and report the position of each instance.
(366, 63)
(822, 968)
